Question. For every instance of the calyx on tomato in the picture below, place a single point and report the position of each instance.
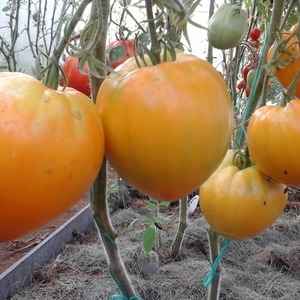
(227, 26)
(167, 127)
(273, 140)
(52, 147)
(240, 204)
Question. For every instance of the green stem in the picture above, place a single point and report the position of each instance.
(155, 46)
(210, 57)
(100, 13)
(53, 73)
(177, 243)
(256, 98)
(214, 288)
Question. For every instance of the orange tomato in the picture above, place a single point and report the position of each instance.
(287, 59)
(167, 127)
(52, 147)
(273, 140)
(240, 204)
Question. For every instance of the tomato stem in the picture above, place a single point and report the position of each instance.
(100, 13)
(155, 46)
(52, 78)
(257, 94)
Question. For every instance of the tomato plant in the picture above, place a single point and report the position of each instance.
(52, 146)
(227, 26)
(168, 126)
(273, 140)
(241, 203)
(118, 52)
(75, 78)
(286, 58)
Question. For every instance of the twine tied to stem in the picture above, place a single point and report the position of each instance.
(213, 271)
(120, 297)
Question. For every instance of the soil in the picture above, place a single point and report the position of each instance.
(264, 268)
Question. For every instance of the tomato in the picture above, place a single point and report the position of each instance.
(250, 77)
(118, 52)
(227, 26)
(52, 146)
(246, 70)
(240, 204)
(76, 79)
(247, 91)
(273, 140)
(241, 84)
(166, 127)
(255, 34)
(287, 60)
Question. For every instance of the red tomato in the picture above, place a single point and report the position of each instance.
(247, 91)
(117, 52)
(241, 84)
(255, 34)
(76, 79)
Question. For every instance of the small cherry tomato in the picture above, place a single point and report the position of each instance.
(241, 84)
(255, 34)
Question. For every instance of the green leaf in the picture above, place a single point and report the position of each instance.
(261, 8)
(149, 239)
(148, 221)
(152, 206)
(164, 203)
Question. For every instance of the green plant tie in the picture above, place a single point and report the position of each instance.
(213, 271)
(120, 297)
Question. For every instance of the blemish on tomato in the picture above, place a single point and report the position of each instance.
(285, 172)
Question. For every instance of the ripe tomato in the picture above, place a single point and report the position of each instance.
(166, 127)
(241, 84)
(273, 140)
(255, 34)
(52, 146)
(227, 26)
(118, 52)
(76, 79)
(240, 204)
(288, 60)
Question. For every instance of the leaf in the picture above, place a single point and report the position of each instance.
(148, 221)
(152, 206)
(149, 239)
(164, 203)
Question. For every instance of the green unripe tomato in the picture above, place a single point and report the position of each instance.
(227, 26)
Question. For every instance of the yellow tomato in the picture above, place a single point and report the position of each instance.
(273, 140)
(52, 147)
(240, 204)
(167, 127)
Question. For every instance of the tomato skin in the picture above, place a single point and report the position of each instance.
(288, 63)
(240, 204)
(227, 26)
(117, 52)
(241, 84)
(273, 140)
(52, 147)
(255, 34)
(76, 79)
(166, 127)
